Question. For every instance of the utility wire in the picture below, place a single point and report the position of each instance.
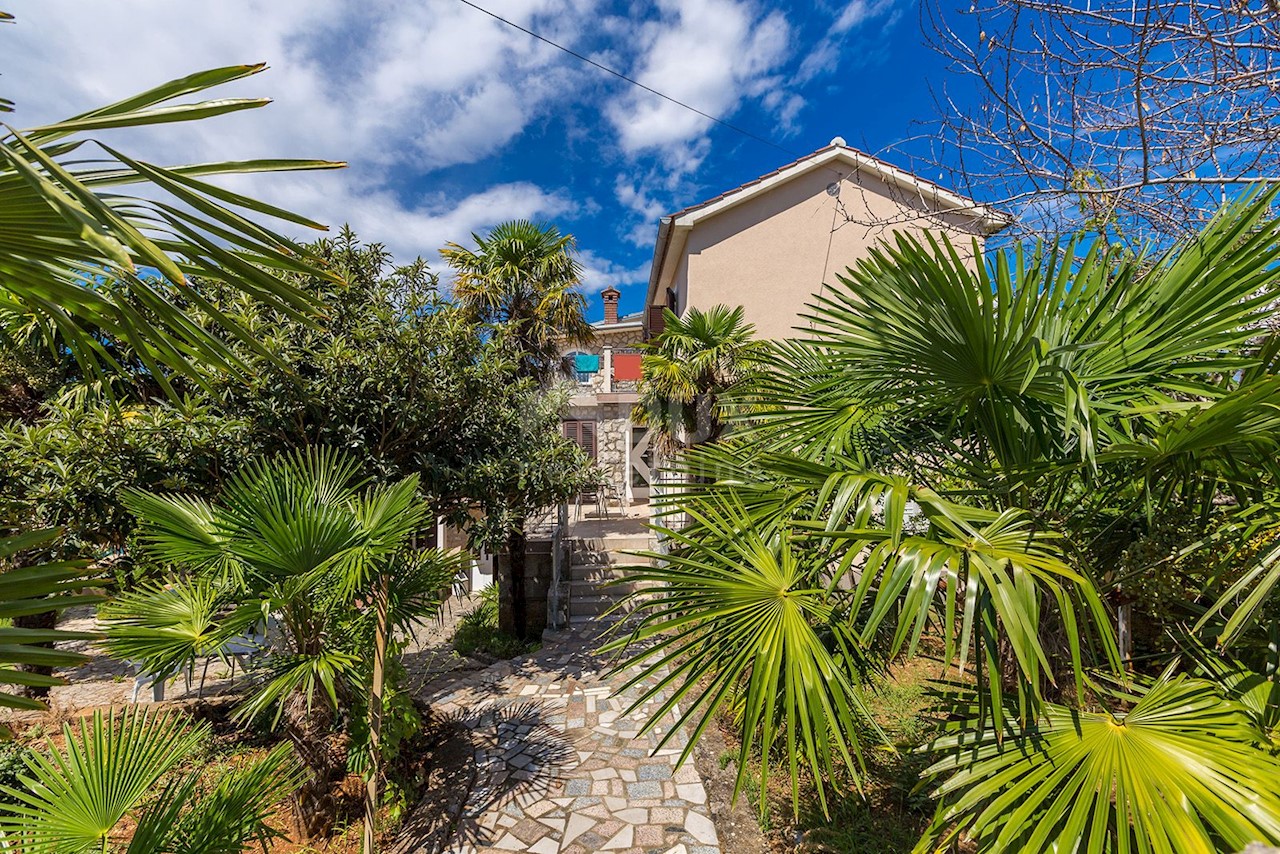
(634, 82)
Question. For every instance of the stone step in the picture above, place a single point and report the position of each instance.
(616, 543)
(594, 587)
(595, 606)
(577, 567)
(576, 620)
(599, 575)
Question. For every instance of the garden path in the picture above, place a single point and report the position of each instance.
(545, 761)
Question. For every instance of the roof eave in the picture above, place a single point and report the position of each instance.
(987, 219)
(655, 268)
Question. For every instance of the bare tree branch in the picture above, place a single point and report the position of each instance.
(1134, 118)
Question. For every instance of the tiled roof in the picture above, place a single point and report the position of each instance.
(626, 318)
(765, 177)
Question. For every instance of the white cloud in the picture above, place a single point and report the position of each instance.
(824, 57)
(635, 198)
(486, 120)
(599, 273)
(421, 226)
(710, 54)
(860, 11)
(398, 89)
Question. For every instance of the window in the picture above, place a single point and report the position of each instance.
(583, 434)
(583, 365)
(656, 321)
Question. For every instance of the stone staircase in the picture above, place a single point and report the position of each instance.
(593, 563)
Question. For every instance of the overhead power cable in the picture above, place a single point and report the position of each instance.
(606, 69)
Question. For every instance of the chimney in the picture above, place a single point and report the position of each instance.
(610, 296)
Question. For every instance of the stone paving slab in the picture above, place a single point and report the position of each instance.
(555, 766)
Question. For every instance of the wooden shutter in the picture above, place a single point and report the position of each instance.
(656, 321)
(584, 434)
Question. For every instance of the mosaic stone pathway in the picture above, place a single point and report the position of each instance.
(551, 765)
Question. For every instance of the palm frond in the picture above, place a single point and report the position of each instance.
(237, 811)
(742, 617)
(1179, 772)
(74, 800)
(37, 589)
(165, 628)
(63, 231)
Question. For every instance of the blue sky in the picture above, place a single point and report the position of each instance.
(452, 122)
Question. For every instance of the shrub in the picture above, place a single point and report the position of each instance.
(477, 634)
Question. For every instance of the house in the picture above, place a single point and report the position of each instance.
(772, 243)
(603, 391)
(769, 246)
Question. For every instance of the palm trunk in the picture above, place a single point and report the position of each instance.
(375, 720)
(309, 727)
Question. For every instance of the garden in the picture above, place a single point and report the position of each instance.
(984, 559)
(224, 448)
(1054, 478)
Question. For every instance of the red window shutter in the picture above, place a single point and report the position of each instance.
(627, 366)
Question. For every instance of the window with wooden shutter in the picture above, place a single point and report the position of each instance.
(656, 321)
(583, 434)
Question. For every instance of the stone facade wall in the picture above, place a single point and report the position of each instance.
(613, 432)
(625, 340)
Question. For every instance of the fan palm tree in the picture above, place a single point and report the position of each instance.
(116, 785)
(522, 278)
(302, 548)
(67, 226)
(966, 450)
(687, 368)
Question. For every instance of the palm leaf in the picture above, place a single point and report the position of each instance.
(37, 589)
(165, 628)
(62, 233)
(740, 615)
(234, 814)
(1179, 772)
(73, 801)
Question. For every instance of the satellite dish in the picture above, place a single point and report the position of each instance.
(839, 140)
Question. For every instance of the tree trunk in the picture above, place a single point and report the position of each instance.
(308, 723)
(375, 721)
(513, 608)
(43, 620)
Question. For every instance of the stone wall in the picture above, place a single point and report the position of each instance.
(624, 340)
(612, 435)
(613, 431)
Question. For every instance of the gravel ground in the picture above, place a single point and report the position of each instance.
(737, 823)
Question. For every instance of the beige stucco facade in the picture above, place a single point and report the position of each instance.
(770, 246)
(767, 246)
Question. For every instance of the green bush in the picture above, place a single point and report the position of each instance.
(12, 763)
(477, 633)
